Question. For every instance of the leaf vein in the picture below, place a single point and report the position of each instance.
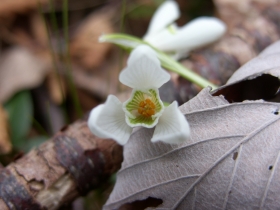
(248, 137)
(232, 176)
(269, 181)
(175, 150)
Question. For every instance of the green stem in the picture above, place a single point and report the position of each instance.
(121, 54)
(123, 15)
(188, 74)
(73, 89)
(39, 127)
(54, 24)
(52, 51)
(130, 42)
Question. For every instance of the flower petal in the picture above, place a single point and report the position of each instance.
(172, 127)
(143, 70)
(162, 38)
(166, 14)
(93, 119)
(108, 121)
(199, 32)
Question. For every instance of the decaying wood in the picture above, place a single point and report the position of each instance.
(70, 164)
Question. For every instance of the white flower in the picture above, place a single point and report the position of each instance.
(164, 34)
(144, 108)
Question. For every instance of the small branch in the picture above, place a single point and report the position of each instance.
(70, 164)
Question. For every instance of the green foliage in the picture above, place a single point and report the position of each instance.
(20, 111)
(34, 142)
(142, 11)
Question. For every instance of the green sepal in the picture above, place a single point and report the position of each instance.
(131, 106)
(140, 120)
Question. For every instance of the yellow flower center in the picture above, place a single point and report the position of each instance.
(147, 108)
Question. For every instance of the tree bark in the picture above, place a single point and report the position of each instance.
(70, 164)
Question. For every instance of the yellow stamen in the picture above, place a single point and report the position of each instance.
(147, 108)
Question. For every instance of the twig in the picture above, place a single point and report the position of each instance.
(70, 164)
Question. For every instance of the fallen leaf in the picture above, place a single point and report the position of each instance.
(249, 30)
(104, 80)
(56, 86)
(262, 64)
(39, 33)
(271, 49)
(85, 48)
(5, 144)
(8, 8)
(20, 69)
(29, 31)
(231, 161)
(257, 79)
(233, 12)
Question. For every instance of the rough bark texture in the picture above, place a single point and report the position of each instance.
(70, 164)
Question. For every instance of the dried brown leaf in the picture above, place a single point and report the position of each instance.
(39, 31)
(230, 161)
(262, 64)
(257, 79)
(236, 12)
(28, 30)
(5, 144)
(20, 69)
(85, 48)
(7, 7)
(104, 80)
(57, 87)
(249, 30)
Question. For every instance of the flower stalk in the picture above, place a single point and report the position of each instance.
(129, 42)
